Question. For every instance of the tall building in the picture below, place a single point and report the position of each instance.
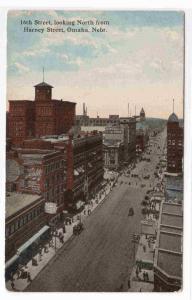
(129, 125)
(44, 116)
(174, 144)
(84, 169)
(142, 115)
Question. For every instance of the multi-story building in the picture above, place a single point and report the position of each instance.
(113, 155)
(44, 116)
(25, 218)
(84, 168)
(39, 169)
(168, 258)
(113, 146)
(129, 126)
(142, 133)
(174, 145)
(117, 139)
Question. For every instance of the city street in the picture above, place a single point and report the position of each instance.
(101, 258)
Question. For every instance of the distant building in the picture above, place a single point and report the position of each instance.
(129, 126)
(113, 146)
(113, 155)
(119, 143)
(168, 259)
(174, 145)
(142, 133)
(142, 115)
(44, 116)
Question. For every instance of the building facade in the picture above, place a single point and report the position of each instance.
(113, 155)
(39, 169)
(84, 168)
(168, 259)
(24, 217)
(174, 145)
(44, 116)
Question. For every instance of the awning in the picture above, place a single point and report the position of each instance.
(32, 239)
(11, 261)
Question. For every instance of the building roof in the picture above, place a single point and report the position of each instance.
(43, 84)
(17, 201)
(170, 263)
(168, 253)
(173, 118)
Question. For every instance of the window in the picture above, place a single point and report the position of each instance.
(12, 228)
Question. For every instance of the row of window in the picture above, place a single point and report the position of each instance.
(20, 222)
(54, 166)
(58, 178)
(54, 192)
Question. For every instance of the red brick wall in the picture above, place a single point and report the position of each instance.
(174, 147)
(21, 120)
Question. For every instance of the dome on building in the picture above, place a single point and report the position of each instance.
(173, 118)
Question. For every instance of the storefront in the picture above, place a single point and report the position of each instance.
(27, 251)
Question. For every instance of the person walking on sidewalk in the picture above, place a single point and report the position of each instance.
(12, 285)
(29, 277)
(147, 276)
(137, 273)
(144, 276)
(129, 284)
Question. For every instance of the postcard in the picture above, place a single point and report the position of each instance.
(94, 151)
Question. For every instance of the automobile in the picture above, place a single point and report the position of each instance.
(77, 228)
(131, 212)
(146, 176)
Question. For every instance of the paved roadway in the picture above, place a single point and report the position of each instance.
(100, 259)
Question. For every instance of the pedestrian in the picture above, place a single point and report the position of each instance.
(12, 285)
(29, 277)
(144, 276)
(18, 273)
(147, 276)
(129, 284)
(144, 248)
(137, 272)
(62, 239)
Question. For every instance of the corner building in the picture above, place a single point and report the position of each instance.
(44, 116)
(174, 145)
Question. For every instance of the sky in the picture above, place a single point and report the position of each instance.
(137, 60)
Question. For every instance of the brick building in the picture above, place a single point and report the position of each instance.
(174, 144)
(24, 217)
(38, 168)
(84, 168)
(44, 116)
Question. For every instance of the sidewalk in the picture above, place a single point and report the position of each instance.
(138, 282)
(46, 257)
